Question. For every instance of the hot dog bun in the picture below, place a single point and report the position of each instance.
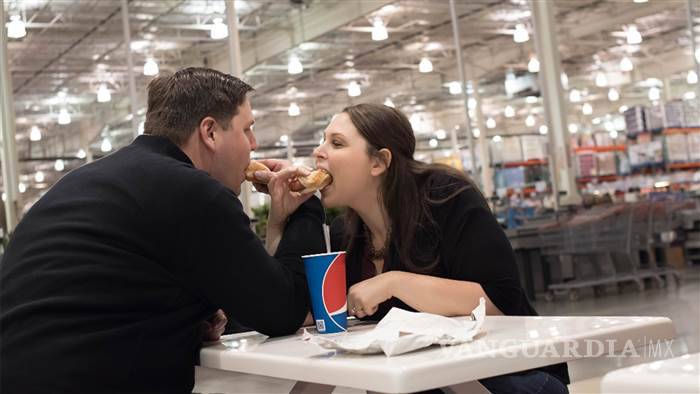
(252, 168)
(317, 180)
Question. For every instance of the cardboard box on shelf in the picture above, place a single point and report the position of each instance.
(634, 120)
(674, 257)
(675, 116)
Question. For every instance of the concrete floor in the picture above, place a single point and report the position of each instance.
(680, 303)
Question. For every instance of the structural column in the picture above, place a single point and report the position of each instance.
(7, 126)
(484, 154)
(555, 108)
(463, 82)
(693, 6)
(236, 69)
(133, 98)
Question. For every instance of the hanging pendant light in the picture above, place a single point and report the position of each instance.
(16, 27)
(150, 68)
(379, 32)
(219, 29)
(425, 65)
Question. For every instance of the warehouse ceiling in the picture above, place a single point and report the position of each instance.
(72, 48)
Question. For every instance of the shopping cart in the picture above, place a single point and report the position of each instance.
(603, 244)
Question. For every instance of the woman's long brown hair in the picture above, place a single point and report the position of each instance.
(403, 192)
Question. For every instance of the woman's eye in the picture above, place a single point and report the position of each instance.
(336, 143)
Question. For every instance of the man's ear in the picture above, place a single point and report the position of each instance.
(207, 132)
(381, 161)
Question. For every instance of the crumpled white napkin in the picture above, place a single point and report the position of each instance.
(401, 331)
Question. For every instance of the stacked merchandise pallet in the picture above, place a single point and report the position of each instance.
(520, 162)
(664, 135)
(599, 157)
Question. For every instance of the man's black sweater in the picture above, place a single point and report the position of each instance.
(108, 277)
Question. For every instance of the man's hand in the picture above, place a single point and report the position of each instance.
(213, 327)
(283, 201)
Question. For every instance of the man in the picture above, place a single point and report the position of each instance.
(108, 278)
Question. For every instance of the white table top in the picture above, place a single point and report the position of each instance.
(675, 375)
(507, 344)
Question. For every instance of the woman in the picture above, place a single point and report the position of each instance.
(418, 236)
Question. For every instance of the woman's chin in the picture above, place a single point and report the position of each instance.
(327, 198)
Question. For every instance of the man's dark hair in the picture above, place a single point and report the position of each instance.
(178, 102)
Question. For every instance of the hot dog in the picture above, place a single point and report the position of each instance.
(316, 180)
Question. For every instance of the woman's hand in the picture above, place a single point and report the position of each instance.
(275, 165)
(364, 297)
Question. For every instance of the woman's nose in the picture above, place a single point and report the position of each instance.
(318, 152)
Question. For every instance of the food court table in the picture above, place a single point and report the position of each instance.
(507, 344)
(676, 375)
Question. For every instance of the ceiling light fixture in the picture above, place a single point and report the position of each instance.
(634, 37)
(150, 68)
(654, 93)
(564, 81)
(626, 64)
(490, 123)
(293, 110)
(587, 109)
(219, 30)
(63, 117)
(103, 94)
(575, 96)
(16, 27)
(354, 89)
(379, 32)
(520, 35)
(106, 145)
(295, 67)
(35, 134)
(425, 65)
(530, 120)
(509, 112)
(533, 65)
(601, 80)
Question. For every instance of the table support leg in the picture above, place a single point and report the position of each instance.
(311, 388)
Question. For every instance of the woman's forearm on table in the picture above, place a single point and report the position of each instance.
(447, 297)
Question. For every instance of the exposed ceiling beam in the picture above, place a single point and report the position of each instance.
(306, 25)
